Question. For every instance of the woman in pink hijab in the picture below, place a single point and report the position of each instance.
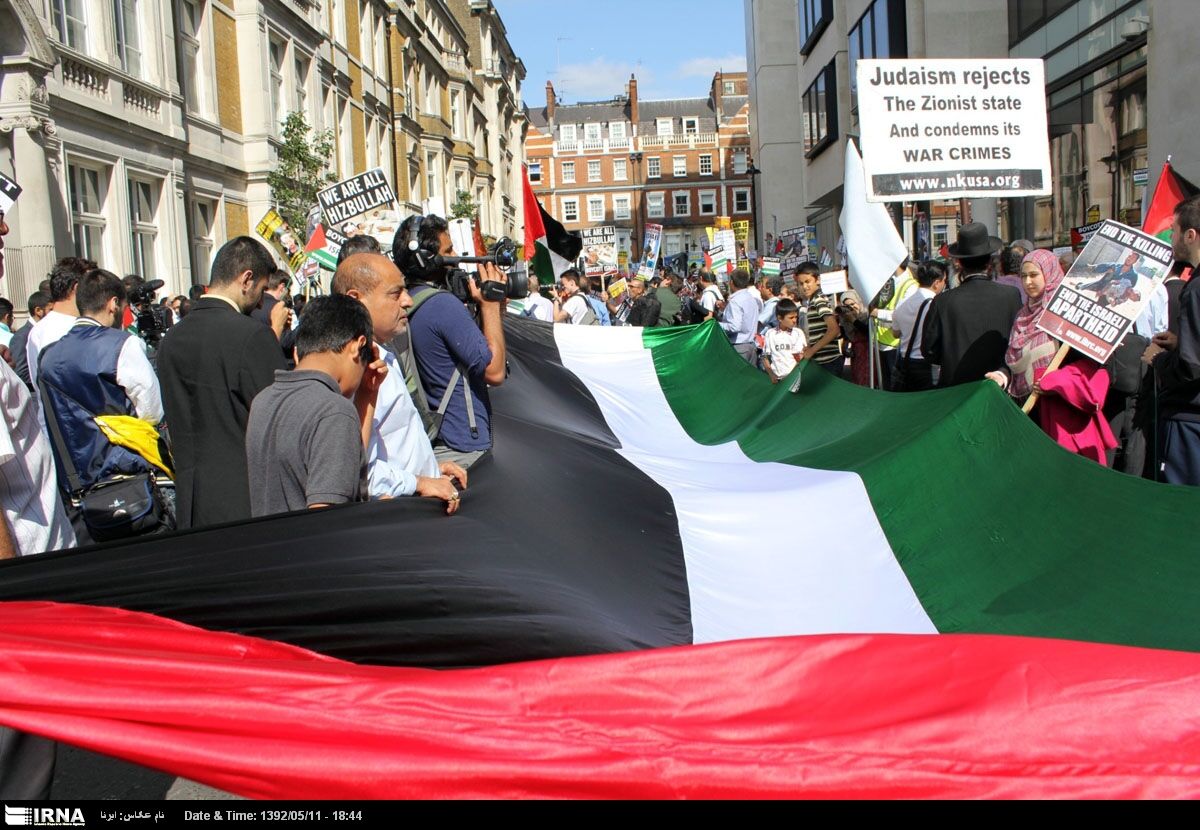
(1071, 397)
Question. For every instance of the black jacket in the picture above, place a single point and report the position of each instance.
(211, 365)
(646, 310)
(966, 329)
(1178, 371)
(263, 315)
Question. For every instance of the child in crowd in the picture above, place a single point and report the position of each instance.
(784, 344)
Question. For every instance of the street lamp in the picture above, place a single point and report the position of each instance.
(636, 243)
(753, 171)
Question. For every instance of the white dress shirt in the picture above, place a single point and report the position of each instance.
(741, 315)
(47, 330)
(136, 376)
(28, 489)
(904, 320)
(1153, 319)
(399, 449)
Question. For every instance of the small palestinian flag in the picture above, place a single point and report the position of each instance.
(548, 246)
(322, 250)
(1170, 191)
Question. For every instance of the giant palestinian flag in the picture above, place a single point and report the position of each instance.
(549, 248)
(726, 589)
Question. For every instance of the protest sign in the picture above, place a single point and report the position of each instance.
(1083, 234)
(718, 259)
(279, 235)
(617, 288)
(724, 238)
(324, 246)
(834, 282)
(653, 239)
(953, 128)
(741, 230)
(770, 266)
(9, 191)
(795, 249)
(1106, 289)
(600, 251)
(826, 260)
(355, 196)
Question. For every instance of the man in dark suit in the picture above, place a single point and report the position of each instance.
(966, 331)
(211, 365)
(279, 322)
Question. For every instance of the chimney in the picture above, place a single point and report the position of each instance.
(633, 102)
(549, 101)
(718, 89)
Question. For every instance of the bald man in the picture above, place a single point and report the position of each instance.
(400, 459)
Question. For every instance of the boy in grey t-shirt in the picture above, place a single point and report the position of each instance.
(305, 442)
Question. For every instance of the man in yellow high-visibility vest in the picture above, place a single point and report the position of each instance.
(895, 291)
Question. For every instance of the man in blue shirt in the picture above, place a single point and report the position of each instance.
(457, 357)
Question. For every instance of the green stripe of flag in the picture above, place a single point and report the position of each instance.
(997, 529)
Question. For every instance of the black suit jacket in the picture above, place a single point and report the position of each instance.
(966, 330)
(211, 364)
(20, 352)
(263, 315)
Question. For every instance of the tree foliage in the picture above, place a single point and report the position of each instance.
(464, 206)
(303, 169)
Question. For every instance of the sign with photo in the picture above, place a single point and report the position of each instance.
(794, 250)
(279, 235)
(943, 129)
(653, 240)
(1106, 289)
(599, 251)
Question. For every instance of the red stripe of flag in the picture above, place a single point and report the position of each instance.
(849, 716)
(534, 229)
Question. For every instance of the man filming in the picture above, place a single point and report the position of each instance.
(458, 354)
(570, 304)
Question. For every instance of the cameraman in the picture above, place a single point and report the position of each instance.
(570, 303)
(457, 357)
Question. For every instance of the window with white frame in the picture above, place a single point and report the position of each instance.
(591, 131)
(87, 187)
(70, 17)
(681, 203)
(691, 126)
(594, 170)
(708, 202)
(482, 206)
(730, 88)
(456, 112)
(620, 170)
(128, 33)
(276, 53)
(568, 172)
(616, 130)
(301, 66)
(664, 126)
(372, 141)
(595, 206)
(535, 172)
(381, 42)
(570, 209)
(566, 133)
(143, 225)
(656, 205)
(654, 167)
(679, 166)
(197, 61)
(433, 94)
(460, 183)
(433, 178)
(345, 140)
(706, 167)
(366, 43)
(338, 10)
(741, 200)
(204, 223)
(621, 206)
(740, 164)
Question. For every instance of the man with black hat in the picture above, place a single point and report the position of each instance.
(967, 329)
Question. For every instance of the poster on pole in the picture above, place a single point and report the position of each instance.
(324, 246)
(9, 191)
(727, 241)
(600, 251)
(1106, 289)
(942, 129)
(795, 249)
(770, 266)
(834, 282)
(355, 196)
(653, 239)
(279, 235)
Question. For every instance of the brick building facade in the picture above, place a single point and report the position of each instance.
(679, 163)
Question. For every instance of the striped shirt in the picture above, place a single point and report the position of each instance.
(28, 490)
(818, 310)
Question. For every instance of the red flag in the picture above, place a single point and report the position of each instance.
(317, 241)
(534, 228)
(1169, 192)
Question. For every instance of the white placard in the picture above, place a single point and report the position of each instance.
(834, 282)
(953, 128)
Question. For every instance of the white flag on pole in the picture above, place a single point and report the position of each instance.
(873, 246)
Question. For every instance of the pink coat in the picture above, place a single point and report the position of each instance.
(1069, 409)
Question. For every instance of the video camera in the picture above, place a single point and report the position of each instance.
(502, 254)
(151, 319)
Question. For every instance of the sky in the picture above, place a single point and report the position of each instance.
(588, 48)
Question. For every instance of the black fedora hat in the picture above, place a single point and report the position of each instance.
(973, 241)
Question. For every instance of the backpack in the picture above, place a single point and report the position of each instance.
(433, 426)
(599, 310)
(589, 316)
